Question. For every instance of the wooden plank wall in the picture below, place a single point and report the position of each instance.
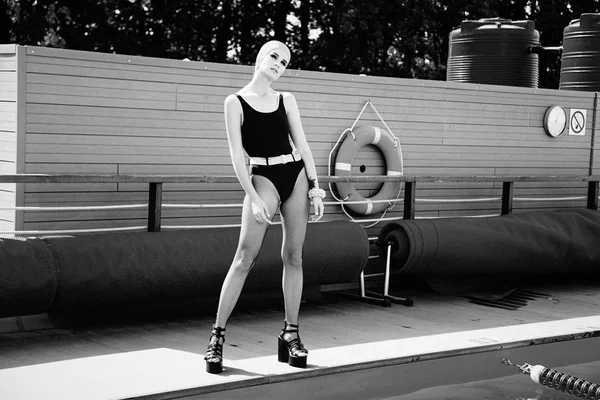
(105, 113)
(8, 132)
(595, 155)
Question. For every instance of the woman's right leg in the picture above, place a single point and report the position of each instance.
(252, 234)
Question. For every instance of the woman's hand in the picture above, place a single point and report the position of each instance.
(260, 211)
(319, 208)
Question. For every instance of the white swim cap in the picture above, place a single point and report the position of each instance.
(267, 48)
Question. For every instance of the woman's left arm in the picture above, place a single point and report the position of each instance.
(299, 138)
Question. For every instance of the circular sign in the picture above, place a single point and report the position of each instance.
(555, 120)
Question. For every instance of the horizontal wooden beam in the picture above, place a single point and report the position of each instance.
(112, 178)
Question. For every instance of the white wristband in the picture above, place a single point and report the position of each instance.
(316, 192)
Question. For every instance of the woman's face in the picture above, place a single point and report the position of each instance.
(274, 63)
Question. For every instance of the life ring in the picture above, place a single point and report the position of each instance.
(389, 146)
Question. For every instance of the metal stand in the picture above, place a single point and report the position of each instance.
(384, 299)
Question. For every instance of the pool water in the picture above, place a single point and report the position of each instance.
(514, 387)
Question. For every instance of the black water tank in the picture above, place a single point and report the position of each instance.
(580, 66)
(494, 51)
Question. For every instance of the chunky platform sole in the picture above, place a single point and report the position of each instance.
(284, 356)
(214, 367)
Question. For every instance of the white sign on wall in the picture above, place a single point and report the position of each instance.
(577, 122)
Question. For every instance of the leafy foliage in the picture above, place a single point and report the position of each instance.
(401, 38)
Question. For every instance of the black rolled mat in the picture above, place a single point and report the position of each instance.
(109, 270)
(544, 242)
(27, 277)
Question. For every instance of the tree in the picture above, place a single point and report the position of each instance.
(5, 22)
(403, 38)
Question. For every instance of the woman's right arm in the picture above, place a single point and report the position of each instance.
(233, 123)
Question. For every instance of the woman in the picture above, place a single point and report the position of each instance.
(265, 125)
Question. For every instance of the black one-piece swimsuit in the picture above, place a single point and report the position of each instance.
(267, 135)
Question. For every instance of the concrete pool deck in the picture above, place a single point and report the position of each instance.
(373, 362)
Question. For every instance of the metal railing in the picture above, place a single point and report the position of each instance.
(155, 186)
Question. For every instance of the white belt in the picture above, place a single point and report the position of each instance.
(282, 159)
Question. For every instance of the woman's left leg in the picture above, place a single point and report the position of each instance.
(294, 218)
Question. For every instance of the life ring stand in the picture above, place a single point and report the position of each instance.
(389, 146)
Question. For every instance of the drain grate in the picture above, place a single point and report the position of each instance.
(517, 299)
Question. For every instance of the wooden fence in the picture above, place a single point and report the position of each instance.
(73, 112)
